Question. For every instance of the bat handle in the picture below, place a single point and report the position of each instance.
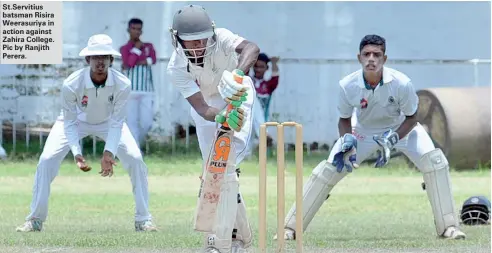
(238, 77)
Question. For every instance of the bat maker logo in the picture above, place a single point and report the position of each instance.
(222, 147)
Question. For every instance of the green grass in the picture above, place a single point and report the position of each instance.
(370, 209)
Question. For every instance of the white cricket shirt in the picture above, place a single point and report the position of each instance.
(381, 108)
(190, 79)
(82, 101)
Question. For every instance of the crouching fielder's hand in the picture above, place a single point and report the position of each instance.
(346, 156)
(231, 89)
(233, 118)
(80, 161)
(107, 162)
(386, 142)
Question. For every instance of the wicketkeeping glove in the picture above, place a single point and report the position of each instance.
(232, 118)
(386, 142)
(347, 155)
(231, 90)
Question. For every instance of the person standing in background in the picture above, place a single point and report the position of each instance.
(138, 58)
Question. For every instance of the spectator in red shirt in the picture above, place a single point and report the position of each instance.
(264, 91)
(265, 88)
(138, 58)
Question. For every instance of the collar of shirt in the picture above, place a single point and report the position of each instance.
(387, 78)
(90, 84)
(130, 43)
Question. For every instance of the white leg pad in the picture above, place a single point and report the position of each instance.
(242, 230)
(323, 178)
(435, 168)
(226, 214)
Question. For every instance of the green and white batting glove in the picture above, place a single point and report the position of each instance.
(231, 88)
(233, 119)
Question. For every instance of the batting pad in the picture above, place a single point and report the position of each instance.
(226, 213)
(435, 168)
(323, 178)
(242, 229)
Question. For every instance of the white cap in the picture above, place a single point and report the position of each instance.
(99, 44)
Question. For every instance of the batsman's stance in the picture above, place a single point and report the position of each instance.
(93, 103)
(202, 68)
(385, 104)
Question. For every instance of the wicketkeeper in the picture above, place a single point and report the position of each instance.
(386, 105)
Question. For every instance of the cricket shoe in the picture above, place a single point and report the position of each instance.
(238, 247)
(289, 235)
(145, 226)
(210, 250)
(34, 225)
(453, 233)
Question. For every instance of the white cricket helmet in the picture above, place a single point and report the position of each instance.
(192, 23)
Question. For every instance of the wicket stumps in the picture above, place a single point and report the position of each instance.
(280, 186)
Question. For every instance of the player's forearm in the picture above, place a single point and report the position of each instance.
(113, 138)
(208, 113)
(71, 132)
(407, 126)
(248, 57)
(344, 126)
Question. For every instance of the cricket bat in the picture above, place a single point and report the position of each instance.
(216, 168)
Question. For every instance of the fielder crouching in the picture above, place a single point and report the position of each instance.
(201, 67)
(385, 104)
(93, 103)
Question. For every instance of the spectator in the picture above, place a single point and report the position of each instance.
(138, 58)
(264, 91)
(264, 88)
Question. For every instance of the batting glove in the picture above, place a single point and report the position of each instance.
(231, 90)
(231, 118)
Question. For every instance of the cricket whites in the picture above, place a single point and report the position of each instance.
(220, 156)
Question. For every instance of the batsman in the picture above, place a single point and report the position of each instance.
(207, 67)
(385, 105)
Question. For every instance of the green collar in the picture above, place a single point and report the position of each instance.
(97, 86)
(368, 86)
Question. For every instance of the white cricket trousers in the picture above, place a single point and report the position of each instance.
(414, 145)
(206, 132)
(140, 114)
(57, 147)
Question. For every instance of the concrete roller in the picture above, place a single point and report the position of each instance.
(458, 120)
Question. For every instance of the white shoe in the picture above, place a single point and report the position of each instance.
(144, 226)
(238, 246)
(34, 225)
(453, 233)
(289, 235)
(210, 250)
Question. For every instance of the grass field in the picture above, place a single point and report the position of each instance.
(372, 210)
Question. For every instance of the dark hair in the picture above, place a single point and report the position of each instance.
(373, 39)
(135, 21)
(263, 57)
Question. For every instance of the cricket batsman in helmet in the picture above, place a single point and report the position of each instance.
(204, 67)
